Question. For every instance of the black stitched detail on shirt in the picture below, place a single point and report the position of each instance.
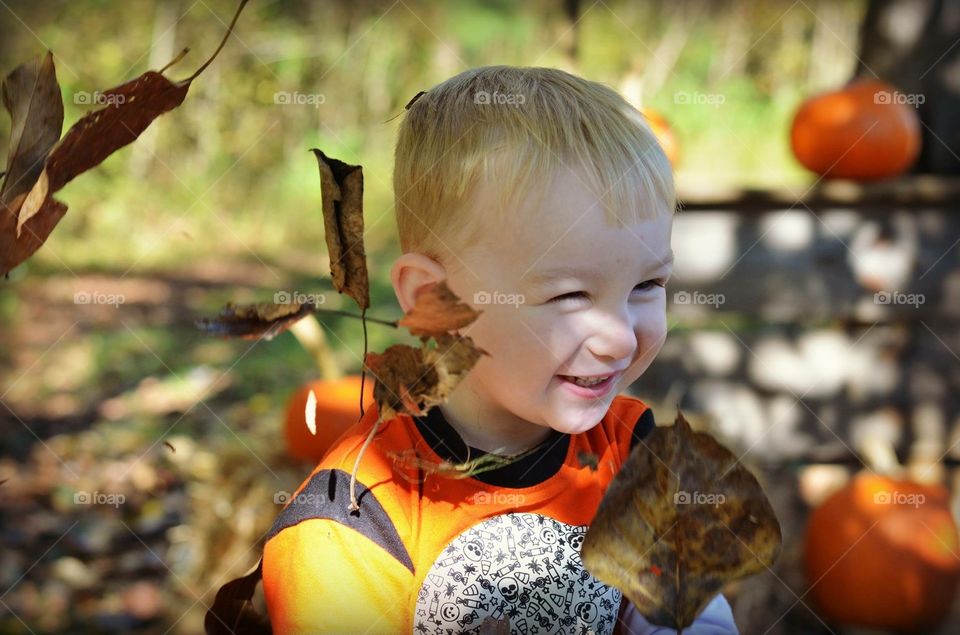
(645, 424)
(529, 470)
(327, 495)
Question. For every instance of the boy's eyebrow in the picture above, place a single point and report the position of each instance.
(569, 271)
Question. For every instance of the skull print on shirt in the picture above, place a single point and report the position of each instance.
(523, 566)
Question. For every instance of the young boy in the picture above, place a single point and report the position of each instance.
(544, 201)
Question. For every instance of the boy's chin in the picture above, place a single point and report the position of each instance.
(576, 419)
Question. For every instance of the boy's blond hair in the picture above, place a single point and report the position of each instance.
(510, 126)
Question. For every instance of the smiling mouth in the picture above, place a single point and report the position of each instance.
(592, 381)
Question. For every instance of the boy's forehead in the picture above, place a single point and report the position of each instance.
(563, 222)
(589, 248)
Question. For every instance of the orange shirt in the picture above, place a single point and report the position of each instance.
(427, 553)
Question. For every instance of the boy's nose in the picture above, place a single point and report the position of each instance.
(615, 337)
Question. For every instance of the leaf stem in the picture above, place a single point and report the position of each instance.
(222, 42)
(392, 323)
(356, 464)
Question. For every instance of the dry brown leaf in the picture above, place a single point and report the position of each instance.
(682, 518)
(36, 167)
(129, 109)
(233, 612)
(263, 320)
(413, 380)
(398, 371)
(438, 310)
(32, 96)
(34, 201)
(453, 358)
(341, 191)
(14, 249)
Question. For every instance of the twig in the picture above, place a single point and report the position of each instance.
(364, 317)
(222, 42)
(353, 475)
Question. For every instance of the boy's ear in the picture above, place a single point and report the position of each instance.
(411, 272)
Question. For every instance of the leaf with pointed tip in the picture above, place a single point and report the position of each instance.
(341, 192)
(32, 96)
(37, 168)
(438, 310)
(263, 320)
(682, 518)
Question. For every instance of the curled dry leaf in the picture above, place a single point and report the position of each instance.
(37, 111)
(341, 191)
(438, 310)
(233, 612)
(682, 518)
(263, 320)
(32, 96)
(413, 380)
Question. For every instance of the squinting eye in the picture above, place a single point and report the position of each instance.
(566, 296)
(643, 286)
(650, 284)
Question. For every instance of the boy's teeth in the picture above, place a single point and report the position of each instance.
(588, 382)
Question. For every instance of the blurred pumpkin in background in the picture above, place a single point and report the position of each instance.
(883, 551)
(337, 399)
(864, 131)
(337, 408)
(664, 133)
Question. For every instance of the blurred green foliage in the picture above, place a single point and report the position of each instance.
(229, 173)
(226, 184)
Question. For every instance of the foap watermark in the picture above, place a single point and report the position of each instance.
(498, 498)
(295, 297)
(497, 297)
(98, 498)
(896, 297)
(282, 498)
(697, 98)
(896, 97)
(296, 98)
(96, 297)
(696, 297)
(496, 98)
(698, 498)
(96, 98)
(898, 498)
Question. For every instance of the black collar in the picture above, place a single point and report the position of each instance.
(534, 468)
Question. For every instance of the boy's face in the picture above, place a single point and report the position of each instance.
(611, 318)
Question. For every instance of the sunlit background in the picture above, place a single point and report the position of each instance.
(810, 316)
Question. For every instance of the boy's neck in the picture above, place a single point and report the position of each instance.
(497, 431)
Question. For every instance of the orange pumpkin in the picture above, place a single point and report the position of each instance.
(864, 131)
(338, 407)
(883, 553)
(664, 133)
